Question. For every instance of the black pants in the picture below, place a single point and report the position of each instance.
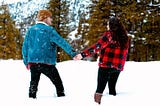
(105, 75)
(51, 72)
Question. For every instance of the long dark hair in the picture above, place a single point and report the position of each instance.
(119, 33)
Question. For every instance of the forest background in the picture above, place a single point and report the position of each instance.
(82, 23)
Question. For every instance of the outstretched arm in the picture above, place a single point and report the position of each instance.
(61, 42)
(95, 48)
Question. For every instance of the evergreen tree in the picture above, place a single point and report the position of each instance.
(10, 39)
(60, 10)
(143, 24)
(98, 15)
(151, 28)
(83, 29)
(81, 40)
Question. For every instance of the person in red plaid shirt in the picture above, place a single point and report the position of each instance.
(113, 48)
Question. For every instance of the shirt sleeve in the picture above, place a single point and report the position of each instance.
(95, 48)
(61, 42)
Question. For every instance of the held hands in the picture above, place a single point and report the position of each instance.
(78, 57)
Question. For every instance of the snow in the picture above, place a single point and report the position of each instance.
(138, 85)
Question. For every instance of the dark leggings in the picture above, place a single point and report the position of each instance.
(50, 71)
(105, 75)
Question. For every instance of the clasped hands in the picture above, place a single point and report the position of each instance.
(77, 57)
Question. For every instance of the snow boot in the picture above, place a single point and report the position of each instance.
(32, 91)
(32, 95)
(60, 94)
(97, 98)
(112, 93)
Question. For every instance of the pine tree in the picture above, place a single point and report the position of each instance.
(81, 41)
(60, 9)
(151, 28)
(83, 29)
(98, 16)
(10, 39)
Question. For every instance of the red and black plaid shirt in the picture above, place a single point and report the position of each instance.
(111, 55)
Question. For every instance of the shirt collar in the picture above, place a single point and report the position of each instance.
(41, 22)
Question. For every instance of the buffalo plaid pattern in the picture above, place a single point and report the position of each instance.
(111, 55)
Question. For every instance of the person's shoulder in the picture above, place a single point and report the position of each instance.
(107, 33)
(33, 27)
(48, 27)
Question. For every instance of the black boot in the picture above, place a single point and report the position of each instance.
(60, 94)
(32, 95)
(32, 91)
(59, 89)
(112, 92)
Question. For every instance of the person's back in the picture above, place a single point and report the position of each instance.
(39, 52)
(113, 56)
(43, 40)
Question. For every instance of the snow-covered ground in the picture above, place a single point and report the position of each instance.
(138, 85)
